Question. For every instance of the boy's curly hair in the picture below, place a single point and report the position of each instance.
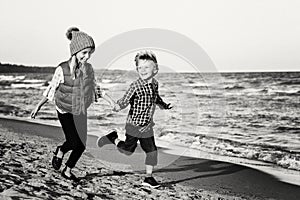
(145, 55)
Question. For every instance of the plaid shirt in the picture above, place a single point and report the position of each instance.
(142, 97)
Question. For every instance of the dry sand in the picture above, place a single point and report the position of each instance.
(26, 173)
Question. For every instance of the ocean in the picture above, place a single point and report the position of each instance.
(253, 116)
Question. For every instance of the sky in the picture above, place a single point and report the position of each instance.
(237, 35)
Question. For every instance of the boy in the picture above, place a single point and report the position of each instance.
(142, 96)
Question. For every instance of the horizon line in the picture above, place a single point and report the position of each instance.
(225, 71)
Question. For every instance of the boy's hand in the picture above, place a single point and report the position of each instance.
(168, 106)
(116, 107)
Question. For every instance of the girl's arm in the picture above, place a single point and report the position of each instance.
(102, 94)
(107, 98)
(38, 107)
(50, 90)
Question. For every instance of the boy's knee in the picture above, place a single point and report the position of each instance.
(151, 158)
(150, 149)
(127, 153)
(125, 149)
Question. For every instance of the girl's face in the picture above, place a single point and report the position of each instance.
(146, 69)
(83, 55)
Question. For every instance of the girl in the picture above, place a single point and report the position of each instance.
(73, 89)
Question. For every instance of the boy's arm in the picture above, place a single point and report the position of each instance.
(162, 104)
(125, 100)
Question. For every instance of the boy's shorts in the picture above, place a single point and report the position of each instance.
(133, 135)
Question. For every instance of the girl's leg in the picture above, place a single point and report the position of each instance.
(79, 137)
(66, 121)
(67, 124)
(78, 126)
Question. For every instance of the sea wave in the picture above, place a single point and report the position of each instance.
(234, 87)
(196, 85)
(288, 128)
(20, 82)
(261, 152)
(281, 92)
(7, 80)
(290, 82)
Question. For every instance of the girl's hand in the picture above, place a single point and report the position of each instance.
(98, 91)
(34, 112)
(38, 107)
(116, 107)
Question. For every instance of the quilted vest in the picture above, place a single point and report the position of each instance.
(75, 95)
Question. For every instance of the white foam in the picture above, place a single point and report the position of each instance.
(108, 85)
(26, 85)
(11, 78)
(106, 80)
(33, 81)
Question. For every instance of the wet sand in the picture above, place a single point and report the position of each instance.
(26, 172)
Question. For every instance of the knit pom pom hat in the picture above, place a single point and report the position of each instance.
(79, 40)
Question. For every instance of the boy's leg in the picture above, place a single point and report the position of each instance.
(149, 170)
(149, 146)
(110, 138)
(128, 146)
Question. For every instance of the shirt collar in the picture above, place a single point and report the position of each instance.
(72, 69)
(79, 66)
(154, 81)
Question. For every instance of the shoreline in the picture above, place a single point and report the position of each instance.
(26, 172)
(286, 175)
(214, 177)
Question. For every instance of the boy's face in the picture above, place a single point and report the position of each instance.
(84, 55)
(146, 69)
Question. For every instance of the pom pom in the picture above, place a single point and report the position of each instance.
(70, 31)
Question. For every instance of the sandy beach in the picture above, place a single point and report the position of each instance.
(26, 173)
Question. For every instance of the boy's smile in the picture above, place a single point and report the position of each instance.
(146, 69)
